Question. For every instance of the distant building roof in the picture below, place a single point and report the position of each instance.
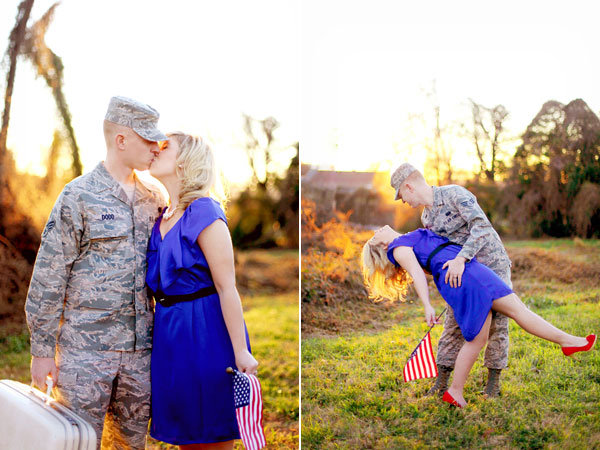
(305, 168)
(343, 180)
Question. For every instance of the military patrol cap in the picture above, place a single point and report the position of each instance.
(399, 175)
(140, 117)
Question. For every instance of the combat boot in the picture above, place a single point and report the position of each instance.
(441, 383)
(492, 388)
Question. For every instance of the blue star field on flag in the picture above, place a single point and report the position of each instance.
(241, 390)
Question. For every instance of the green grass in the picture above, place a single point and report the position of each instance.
(354, 396)
(554, 243)
(274, 329)
(15, 357)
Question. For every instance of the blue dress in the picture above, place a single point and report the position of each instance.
(192, 395)
(472, 301)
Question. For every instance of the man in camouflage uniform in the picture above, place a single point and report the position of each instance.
(452, 211)
(88, 314)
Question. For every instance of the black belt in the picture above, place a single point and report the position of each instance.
(169, 300)
(435, 251)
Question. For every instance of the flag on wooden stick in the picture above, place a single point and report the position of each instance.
(248, 409)
(421, 363)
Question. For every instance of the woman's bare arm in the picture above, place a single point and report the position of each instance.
(216, 245)
(407, 259)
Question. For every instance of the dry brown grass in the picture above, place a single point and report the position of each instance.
(266, 271)
(15, 273)
(546, 265)
(334, 298)
(585, 206)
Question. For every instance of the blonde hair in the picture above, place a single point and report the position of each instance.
(197, 170)
(382, 278)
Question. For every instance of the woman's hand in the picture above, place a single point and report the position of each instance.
(245, 362)
(456, 267)
(430, 316)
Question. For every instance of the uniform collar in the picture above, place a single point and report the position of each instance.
(103, 181)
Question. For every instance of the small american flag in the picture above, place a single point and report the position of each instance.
(248, 409)
(421, 363)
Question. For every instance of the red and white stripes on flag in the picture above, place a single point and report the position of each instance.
(249, 416)
(421, 363)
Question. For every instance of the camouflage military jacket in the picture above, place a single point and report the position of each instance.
(456, 215)
(87, 290)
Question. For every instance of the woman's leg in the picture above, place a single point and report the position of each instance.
(514, 308)
(225, 445)
(465, 360)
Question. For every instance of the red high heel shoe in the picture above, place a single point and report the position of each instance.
(568, 351)
(449, 399)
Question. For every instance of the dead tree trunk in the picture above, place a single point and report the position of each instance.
(14, 42)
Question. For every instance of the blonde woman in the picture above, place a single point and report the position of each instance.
(389, 258)
(199, 328)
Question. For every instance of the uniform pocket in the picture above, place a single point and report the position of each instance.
(106, 245)
(106, 240)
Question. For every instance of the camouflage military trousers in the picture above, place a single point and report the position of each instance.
(496, 352)
(110, 390)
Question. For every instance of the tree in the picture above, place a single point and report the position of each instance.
(260, 156)
(439, 152)
(559, 156)
(487, 134)
(265, 214)
(18, 219)
(30, 43)
(49, 65)
(15, 41)
(287, 208)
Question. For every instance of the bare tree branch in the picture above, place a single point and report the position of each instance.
(257, 154)
(487, 131)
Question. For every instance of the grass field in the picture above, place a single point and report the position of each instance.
(353, 394)
(271, 314)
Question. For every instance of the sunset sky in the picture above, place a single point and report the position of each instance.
(365, 70)
(201, 64)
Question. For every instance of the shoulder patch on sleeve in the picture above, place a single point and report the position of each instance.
(49, 226)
